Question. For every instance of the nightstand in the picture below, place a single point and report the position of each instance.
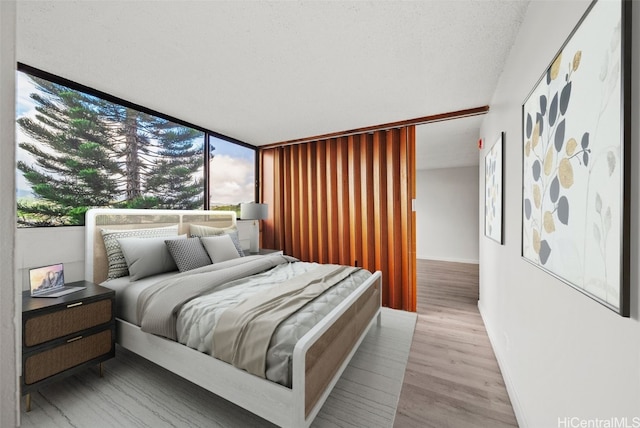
(266, 251)
(64, 335)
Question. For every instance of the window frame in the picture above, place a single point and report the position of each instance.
(24, 68)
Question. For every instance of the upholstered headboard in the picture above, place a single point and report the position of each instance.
(96, 265)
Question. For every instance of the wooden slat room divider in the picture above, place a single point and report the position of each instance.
(347, 200)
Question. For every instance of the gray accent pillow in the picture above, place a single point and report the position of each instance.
(220, 248)
(147, 256)
(117, 263)
(198, 230)
(188, 253)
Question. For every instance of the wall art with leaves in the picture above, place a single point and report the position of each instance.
(493, 191)
(573, 161)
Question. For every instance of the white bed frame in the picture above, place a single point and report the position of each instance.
(319, 357)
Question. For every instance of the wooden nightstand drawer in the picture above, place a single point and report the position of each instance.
(65, 335)
(73, 353)
(72, 319)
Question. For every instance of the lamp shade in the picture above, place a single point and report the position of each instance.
(253, 211)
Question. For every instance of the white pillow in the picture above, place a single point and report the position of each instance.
(147, 256)
(117, 263)
(220, 248)
(200, 231)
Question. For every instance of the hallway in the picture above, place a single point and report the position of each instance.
(452, 377)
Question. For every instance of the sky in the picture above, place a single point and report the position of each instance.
(232, 179)
(232, 173)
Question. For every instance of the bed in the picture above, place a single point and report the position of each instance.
(317, 358)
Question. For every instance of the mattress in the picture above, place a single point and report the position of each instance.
(197, 318)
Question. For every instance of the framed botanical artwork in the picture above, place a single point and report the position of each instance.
(576, 159)
(493, 191)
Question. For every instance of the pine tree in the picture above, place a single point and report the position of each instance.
(175, 179)
(161, 160)
(73, 167)
(91, 152)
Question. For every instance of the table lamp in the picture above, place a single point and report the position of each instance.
(255, 212)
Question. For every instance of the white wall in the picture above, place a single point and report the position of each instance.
(561, 353)
(9, 297)
(48, 245)
(447, 214)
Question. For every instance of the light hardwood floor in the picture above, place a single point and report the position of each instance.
(135, 393)
(452, 377)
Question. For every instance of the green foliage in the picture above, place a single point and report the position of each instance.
(142, 202)
(232, 207)
(39, 213)
(76, 215)
(89, 152)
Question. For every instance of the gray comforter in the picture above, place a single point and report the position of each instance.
(243, 333)
(158, 305)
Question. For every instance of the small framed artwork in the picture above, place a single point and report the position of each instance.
(576, 159)
(493, 191)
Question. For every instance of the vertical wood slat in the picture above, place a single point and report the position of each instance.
(332, 210)
(280, 231)
(413, 262)
(348, 200)
(287, 222)
(312, 217)
(343, 200)
(389, 250)
(380, 212)
(394, 250)
(405, 209)
(366, 168)
(322, 207)
(303, 202)
(355, 203)
(268, 193)
(297, 195)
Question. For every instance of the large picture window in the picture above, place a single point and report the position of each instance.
(78, 150)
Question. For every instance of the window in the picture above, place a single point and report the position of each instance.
(232, 174)
(78, 148)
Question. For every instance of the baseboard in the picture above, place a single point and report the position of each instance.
(448, 259)
(511, 390)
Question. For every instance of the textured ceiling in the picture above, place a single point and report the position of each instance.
(264, 72)
(448, 144)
